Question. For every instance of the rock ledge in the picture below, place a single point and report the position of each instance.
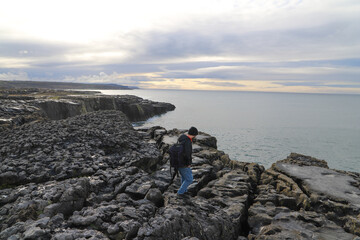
(93, 176)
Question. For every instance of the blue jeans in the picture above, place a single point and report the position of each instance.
(186, 179)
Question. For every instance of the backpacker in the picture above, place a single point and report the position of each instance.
(176, 152)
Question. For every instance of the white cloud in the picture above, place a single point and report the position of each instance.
(88, 21)
(14, 76)
(95, 78)
(122, 79)
(64, 38)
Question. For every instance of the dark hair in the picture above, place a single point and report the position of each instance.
(193, 131)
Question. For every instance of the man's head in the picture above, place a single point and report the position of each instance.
(193, 132)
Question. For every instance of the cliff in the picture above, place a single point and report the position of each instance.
(93, 176)
(22, 106)
(61, 85)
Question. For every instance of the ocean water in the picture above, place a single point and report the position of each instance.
(266, 127)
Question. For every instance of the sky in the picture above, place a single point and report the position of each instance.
(310, 46)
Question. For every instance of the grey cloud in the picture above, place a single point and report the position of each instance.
(141, 79)
(57, 70)
(268, 52)
(301, 43)
(31, 48)
(275, 73)
(114, 77)
(296, 84)
(14, 76)
(165, 45)
(132, 68)
(215, 74)
(222, 84)
(343, 86)
(329, 70)
(211, 70)
(155, 46)
(317, 84)
(347, 62)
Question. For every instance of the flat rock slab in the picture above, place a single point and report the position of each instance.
(295, 225)
(170, 139)
(324, 182)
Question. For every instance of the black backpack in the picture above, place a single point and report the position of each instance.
(176, 152)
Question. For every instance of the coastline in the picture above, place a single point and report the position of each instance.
(93, 174)
(264, 128)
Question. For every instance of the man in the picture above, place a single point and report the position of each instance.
(185, 172)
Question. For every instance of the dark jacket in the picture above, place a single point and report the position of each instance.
(184, 139)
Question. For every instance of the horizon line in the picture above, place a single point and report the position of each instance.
(178, 89)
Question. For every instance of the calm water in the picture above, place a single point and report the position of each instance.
(266, 127)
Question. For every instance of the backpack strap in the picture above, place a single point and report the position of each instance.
(176, 172)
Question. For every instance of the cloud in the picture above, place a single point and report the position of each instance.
(242, 31)
(220, 42)
(333, 40)
(14, 76)
(268, 72)
(123, 79)
(32, 48)
(222, 84)
(317, 84)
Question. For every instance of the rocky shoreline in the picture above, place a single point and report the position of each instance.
(20, 106)
(93, 176)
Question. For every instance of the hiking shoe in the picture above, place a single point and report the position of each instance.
(183, 196)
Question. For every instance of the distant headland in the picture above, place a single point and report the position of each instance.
(63, 85)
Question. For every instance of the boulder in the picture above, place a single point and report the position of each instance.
(154, 195)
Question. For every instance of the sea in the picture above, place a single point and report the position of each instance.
(266, 127)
